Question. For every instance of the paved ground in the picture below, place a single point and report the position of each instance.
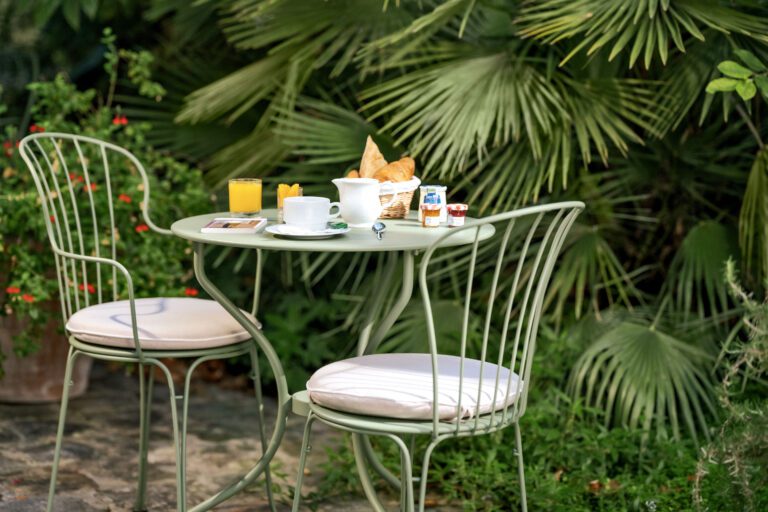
(99, 458)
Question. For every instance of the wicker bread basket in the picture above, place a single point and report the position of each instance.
(404, 191)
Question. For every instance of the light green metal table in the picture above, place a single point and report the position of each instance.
(403, 237)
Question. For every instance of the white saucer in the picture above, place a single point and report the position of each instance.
(287, 231)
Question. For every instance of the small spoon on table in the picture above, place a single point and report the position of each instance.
(379, 228)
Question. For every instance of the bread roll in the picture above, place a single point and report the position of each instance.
(353, 174)
(372, 160)
(402, 170)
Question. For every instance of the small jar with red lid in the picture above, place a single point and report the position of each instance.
(456, 214)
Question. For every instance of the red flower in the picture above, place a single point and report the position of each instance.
(191, 292)
(91, 288)
(141, 228)
(28, 298)
(92, 187)
(53, 218)
(119, 120)
(124, 198)
(13, 290)
(7, 144)
(76, 177)
(35, 128)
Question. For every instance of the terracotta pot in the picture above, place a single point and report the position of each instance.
(38, 377)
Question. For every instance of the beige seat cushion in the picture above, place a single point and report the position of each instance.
(163, 324)
(400, 386)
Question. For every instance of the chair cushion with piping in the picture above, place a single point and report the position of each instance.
(400, 386)
(163, 323)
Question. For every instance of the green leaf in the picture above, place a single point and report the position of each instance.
(90, 7)
(721, 85)
(733, 69)
(750, 60)
(71, 11)
(762, 82)
(637, 373)
(746, 89)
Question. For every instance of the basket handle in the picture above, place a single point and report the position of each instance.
(395, 195)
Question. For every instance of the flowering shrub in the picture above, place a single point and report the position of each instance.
(160, 265)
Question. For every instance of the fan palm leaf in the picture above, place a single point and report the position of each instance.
(643, 27)
(455, 110)
(753, 219)
(590, 271)
(299, 37)
(640, 376)
(695, 278)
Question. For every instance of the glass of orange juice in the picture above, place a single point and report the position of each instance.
(244, 196)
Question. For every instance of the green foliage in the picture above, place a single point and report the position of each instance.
(731, 470)
(644, 377)
(642, 27)
(160, 265)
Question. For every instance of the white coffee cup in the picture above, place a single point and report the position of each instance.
(308, 212)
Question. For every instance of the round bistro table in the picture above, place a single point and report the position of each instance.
(403, 239)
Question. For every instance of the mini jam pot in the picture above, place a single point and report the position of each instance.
(430, 215)
(456, 214)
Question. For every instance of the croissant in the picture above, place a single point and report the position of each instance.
(372, 160)
(353, 174)
(402, 170)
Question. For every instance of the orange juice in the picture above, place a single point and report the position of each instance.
(245, 195)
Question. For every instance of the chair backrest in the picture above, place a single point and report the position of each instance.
(500, 283)
(88, 191)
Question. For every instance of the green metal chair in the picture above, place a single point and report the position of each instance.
(79, 182)
(475, 384)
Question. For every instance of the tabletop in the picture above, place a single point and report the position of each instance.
(401, 235)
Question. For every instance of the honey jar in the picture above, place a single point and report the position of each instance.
(430, 215)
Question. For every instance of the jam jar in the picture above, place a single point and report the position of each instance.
(456, 214)
(430, 215)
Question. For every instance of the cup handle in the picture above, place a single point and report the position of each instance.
(334, 215)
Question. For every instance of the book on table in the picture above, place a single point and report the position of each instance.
(234, 226)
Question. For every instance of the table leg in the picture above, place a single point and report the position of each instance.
(367, 344)
(283, 396)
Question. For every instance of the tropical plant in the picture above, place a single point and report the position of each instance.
(510, 103)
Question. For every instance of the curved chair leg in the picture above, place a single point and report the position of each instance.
(256, 377)
(424, 471)
(406, 475)
(520, 469)
(181, 477)
(305, 448)
(62, 421)
(146, 385)
(358, 443)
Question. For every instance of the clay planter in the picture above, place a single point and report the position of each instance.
(38, 377)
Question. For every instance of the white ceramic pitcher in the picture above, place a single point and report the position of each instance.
(359, 197)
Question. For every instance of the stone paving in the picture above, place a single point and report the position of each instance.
(99, 458)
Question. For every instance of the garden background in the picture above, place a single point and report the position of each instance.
(650, 377)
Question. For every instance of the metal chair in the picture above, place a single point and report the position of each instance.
(79, 182)
(475, 384)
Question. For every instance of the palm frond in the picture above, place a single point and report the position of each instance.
(257, 155)
(753, 219)
(589, 273)
(641, 376)
(695, 278)
(455, 111)
(324, 133)
(643, 27)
